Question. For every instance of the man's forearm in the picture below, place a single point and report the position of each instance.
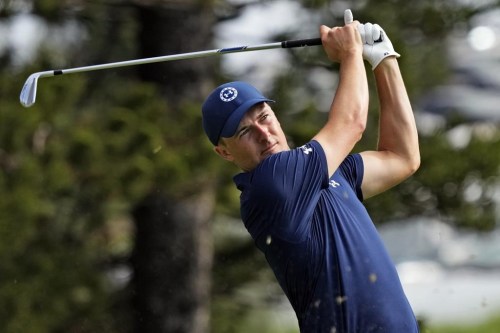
(347, 117)
(351, 97)
(397, 132)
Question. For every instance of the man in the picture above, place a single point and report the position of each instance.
(303, 207)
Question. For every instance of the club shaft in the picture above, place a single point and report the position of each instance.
(28, 93)
(193, 55)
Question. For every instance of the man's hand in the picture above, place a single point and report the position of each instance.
(342, 42)
(376, 44)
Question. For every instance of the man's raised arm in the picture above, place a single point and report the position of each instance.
(397, 156)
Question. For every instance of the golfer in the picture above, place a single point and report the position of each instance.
(303, 206)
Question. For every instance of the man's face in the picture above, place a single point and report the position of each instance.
(258, 136)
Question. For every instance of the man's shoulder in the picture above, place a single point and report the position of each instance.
(280, 165)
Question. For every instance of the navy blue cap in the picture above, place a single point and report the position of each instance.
(225, 106)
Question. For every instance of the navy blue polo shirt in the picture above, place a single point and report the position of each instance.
(322, 245)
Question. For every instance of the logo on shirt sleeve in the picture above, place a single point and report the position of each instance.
(306, 150)
(333, 183)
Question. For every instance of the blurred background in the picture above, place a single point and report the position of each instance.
(116, 216)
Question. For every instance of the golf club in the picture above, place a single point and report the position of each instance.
(28, 93)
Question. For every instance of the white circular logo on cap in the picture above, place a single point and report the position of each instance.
(228, 94)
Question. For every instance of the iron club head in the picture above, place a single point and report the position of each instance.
(28, 93)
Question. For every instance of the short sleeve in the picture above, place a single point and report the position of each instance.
(280, 195)
(352, 169)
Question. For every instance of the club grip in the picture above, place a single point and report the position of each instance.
(300, 43)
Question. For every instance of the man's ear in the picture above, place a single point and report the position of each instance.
(223, 152)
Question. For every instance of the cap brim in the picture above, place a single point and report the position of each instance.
(233, 121)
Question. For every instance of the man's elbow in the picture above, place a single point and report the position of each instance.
(413, 163)
(359, 128)
(356, 128)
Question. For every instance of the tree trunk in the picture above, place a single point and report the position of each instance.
(181, 27)
(172, 262)
(173, 252)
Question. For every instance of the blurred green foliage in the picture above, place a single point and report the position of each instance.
(68, 166)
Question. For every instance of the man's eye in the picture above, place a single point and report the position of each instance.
(243, 132)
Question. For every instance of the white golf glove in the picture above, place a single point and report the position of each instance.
(376, 44)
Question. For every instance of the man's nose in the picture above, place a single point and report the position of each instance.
(262, 132)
